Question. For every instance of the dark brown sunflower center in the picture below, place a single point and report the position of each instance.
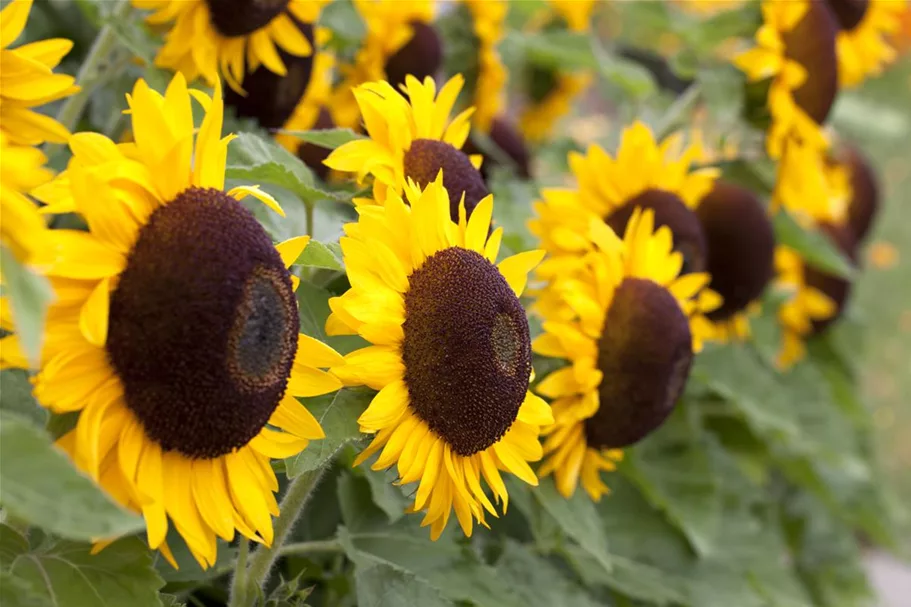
(741, 246)
(203, 326)
(506, 137)
(242, 17)
(864, 204)
(670, 211)
(837, 288)
(645, 354)
(849, 12)
(421, 56)
(268, 98)
(811, 43)
(427, 157)
(466, 351)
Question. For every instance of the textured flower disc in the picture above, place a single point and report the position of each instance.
(466, 350)
(670, 211)
(645, 354)
(312, 154)
(837, 288)
(865, 192)
(270, 99)
(423, 162)
(511, 142)
(421, 56)
(741, 246)
(203, 325)
(812, 44)
(849, 12)
(241, 17)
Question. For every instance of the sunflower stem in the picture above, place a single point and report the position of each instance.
(308, 225)
(91, 72)
(240, 570)
(310, 547)
(264, 557)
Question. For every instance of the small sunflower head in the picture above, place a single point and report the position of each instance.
(234, 18)
(203, 344)
(427, 157)
(864, 204)
(837, 288)
(421, 56)
(269, 98)
(644, 353)
(669, 211)
(741, 246)
(849, 13)
(811, 43)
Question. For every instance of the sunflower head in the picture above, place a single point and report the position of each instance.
(811, 44)
(451, 355)
(21, 170)
(849, 13)
(836, 288)
(510, 142)
(174, 332)
(427, 158)
(629, 323)
(864, 204)
(420, 57)
(741, 246)
(863, 44)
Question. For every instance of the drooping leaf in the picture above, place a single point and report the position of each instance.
(65, 574)
(812, 245)
(319, 255)
(326, 138)
(384, 586)
(38, 484)
(337, 414)
(29, 296)
(16, 396)
(387, 495)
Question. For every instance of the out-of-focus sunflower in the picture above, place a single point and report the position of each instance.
(795, 61)
(22, 227)
(400, 40)
(633, 325)
(551, 93)
(863, 39)
(848, 163)
(815, 298)
(488, 17)
(450, 352)
(412, 138)
(175, 330)
(209, 38)
(28, 80)
(812, 190)
(644, 173)
(708, 7)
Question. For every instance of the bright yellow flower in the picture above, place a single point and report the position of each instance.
(863, 42)
(488, 18)
(22, 227)
(450, 352)
(174, 333)
(632, 326)
(28, 80)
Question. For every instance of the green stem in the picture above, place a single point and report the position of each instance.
(310, 547)
(265, 556)
(91, 72)
(308, 221)
(240, 570)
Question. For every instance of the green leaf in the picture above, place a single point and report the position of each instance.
(558, 49)
(577, 518)
(337, 414)
(319, 255)
(257, 160)
(29, 296)
(389, 497)
(188, 570)
(384, 586)
(627, 75)
(538, 581)
(326, 138)
(169, 600)
(628, 577)
(38, 484)
(20, 592)
(813, 246)
(313, 306)
(16, 396)
(66, 574)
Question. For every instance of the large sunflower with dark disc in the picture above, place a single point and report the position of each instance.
(862, 44)
(413, 138)
(213, 38)
(629, 323)
(450, 352)
(175, 331)
(643, 173)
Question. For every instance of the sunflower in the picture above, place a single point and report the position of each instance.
(450, 352)
(412, 138)
(398, 32)
(174, 333)
(633, 326)
(28, 81)
(708, 7)
(808, 187)
(552, 92)
(488, 18)
(22, 169)
(644, 173)
(863, 40)
(796, 56)
(741, 252)
(209, 38)
(850, 165)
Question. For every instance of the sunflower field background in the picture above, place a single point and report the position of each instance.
(492, 303)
